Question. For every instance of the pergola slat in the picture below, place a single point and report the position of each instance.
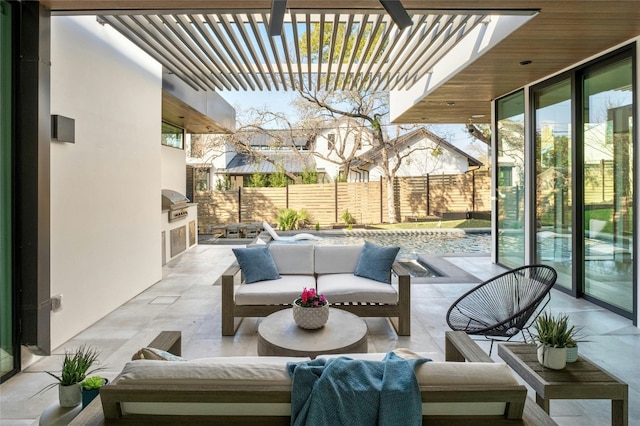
(232, 50)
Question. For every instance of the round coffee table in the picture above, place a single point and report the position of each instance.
(279, 335)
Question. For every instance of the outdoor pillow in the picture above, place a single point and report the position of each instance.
(375, 262)
(256, 264)
(156, 354)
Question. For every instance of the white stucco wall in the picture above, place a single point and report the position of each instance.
(105, 188)
(173, 170)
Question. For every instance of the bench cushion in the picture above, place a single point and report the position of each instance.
(330, 259)
(341, 288)
(274, 292)
(271, 371)
(229, 370)
(294, 259)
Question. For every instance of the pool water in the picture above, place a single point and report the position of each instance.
(416, 242)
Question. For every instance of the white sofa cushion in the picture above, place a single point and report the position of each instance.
(330, 259)
(294, 259)
(350, 288)
(274, 292)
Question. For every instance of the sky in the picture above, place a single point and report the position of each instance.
(281, 102)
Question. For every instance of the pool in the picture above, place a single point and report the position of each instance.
(413, 242)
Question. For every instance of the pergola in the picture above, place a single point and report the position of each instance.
(224, 44)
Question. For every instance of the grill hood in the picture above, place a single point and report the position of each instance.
(173, 199)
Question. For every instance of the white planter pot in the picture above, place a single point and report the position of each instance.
(70, 396)
(554, 358)
(310, 318)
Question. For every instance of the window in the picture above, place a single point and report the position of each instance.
(331, 138)
(505, 176)
(607, 185)
(553, 167)
(172, 136)
(201, 179)
(511, 194)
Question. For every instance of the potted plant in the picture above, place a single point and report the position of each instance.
(75, 368)
(90, 388)
(310, 310)
(553, 336)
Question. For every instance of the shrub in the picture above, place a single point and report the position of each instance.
(287, 219)
(347, 217)
(278, 179)
(309, 175)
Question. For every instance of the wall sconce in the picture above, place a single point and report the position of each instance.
(63, 129)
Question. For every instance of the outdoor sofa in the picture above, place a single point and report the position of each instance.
(332, 270)
(257, 390)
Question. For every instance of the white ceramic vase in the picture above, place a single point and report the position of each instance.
(550, 357)
(310, 318)
(70, 395)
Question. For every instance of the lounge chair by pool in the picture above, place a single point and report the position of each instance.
(297, 237)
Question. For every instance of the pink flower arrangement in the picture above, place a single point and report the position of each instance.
(309, 298)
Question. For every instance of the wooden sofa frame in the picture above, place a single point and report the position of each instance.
(399, 314)
(520, 410)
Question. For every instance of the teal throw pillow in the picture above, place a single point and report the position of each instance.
(375, 262)
(256, 264)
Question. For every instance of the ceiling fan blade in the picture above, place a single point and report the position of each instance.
(278, 9)
(397, 12)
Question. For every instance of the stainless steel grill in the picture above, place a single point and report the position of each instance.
(176, 203)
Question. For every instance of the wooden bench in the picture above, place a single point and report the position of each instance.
(459, 347)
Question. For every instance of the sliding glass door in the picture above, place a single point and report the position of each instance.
(607, 138)
(554, 206)
(510, 180)
(8, 346)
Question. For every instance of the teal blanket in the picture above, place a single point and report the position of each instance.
(344, 391)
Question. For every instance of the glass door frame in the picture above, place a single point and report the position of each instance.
(577, 139)
(9, 300)
(576, 187)
(627, 52)
(495, 178)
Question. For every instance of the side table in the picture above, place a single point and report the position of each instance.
(578, 380)
(344, 332)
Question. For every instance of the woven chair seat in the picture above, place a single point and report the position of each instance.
(505, 305)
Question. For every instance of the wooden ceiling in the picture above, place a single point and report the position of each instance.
(562, 34)
(180, 114)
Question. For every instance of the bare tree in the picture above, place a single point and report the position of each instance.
(255, 124)
(370, 109)
(479, 132)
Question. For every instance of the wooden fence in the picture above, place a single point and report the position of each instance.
(416, 197)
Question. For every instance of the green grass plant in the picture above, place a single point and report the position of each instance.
(76, 366)
(554, 331)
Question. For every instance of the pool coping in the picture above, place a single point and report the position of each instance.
(450, 273)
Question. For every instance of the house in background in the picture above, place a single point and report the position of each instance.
(226, 162)
(338, 143)
(420, 152)
(334, 149)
